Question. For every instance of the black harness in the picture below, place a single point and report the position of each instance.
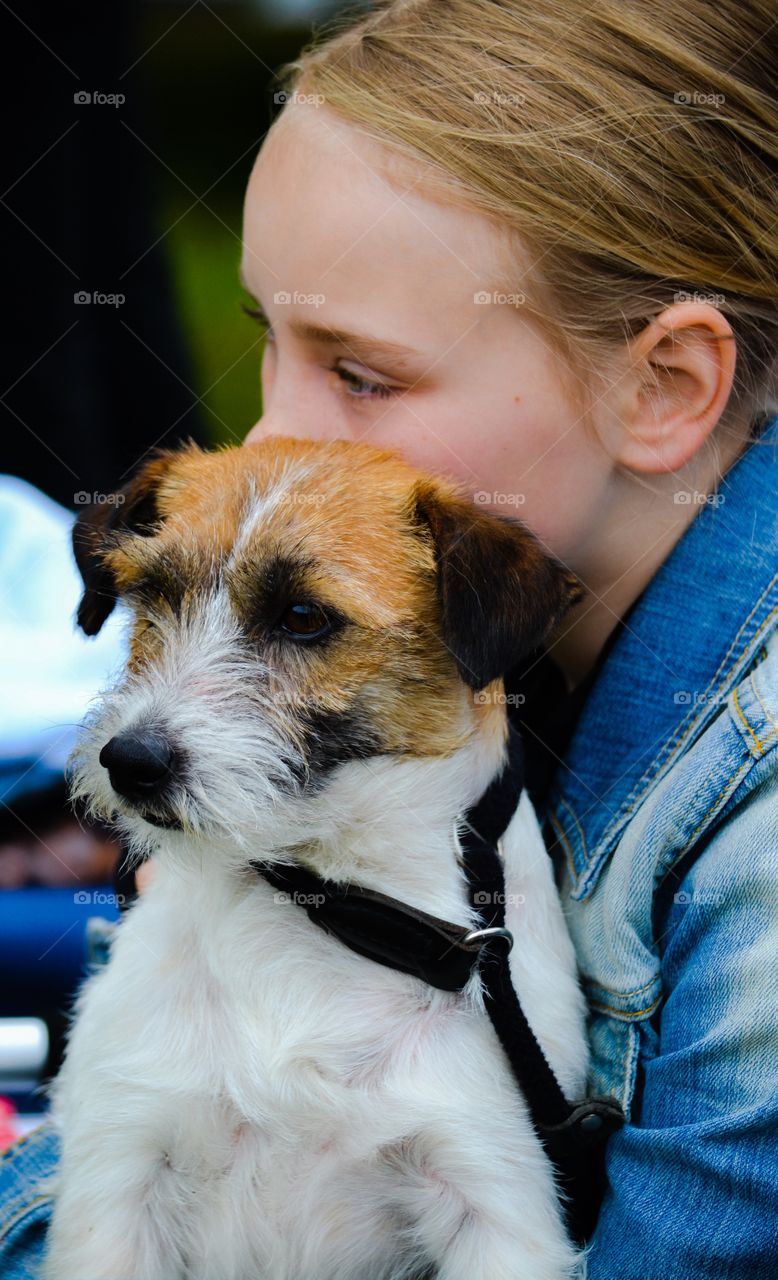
(444, 955)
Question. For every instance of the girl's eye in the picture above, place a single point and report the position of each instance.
(356, 387)
(360, 388)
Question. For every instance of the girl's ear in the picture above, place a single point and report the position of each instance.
(500, 593)
(131, 509)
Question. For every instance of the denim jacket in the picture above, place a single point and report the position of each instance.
(665, 812)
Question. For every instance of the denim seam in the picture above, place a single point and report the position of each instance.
(747, 724)
(630, 1063)
(590, 872)
(624, 995)
(760, 700)
(565, 844)
(746, 765)
(30, 1204)
(619, 1013)
(11, 1151)
(672, 746)
(580, 829)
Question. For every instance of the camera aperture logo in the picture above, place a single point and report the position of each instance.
(484, 899)
(83, 499)
(95, 98)
(98, 898)
(299, 899)
(86, 298)
(483, 498)
(284, 298)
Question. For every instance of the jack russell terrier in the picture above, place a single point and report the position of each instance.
(318, 636)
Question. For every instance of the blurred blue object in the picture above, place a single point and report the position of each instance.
(47, 944)
(49, 671)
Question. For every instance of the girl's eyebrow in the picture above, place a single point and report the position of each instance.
(361, 346)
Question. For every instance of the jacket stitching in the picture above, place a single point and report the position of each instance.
(626, 994)
(747, 764)
(660, 763)
(760, 700)
(671, 747)
(579, 828)
(605, 1008)
(745, 723)
(6, 1227)
(565, 844)
(11, 1151)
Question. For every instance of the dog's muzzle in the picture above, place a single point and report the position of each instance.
(142, 766)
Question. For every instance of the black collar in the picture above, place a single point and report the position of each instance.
(401, 936)
(443, 954)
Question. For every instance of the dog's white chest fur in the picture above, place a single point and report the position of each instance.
(244, 1098)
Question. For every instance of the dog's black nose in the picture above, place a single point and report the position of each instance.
(139, 763)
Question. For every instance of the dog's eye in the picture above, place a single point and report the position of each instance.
(304, 621)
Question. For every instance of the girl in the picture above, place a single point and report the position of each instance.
(536, 247)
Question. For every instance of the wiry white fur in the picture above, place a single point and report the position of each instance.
(243, 1097)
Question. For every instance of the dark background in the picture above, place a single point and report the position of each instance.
(142, 199)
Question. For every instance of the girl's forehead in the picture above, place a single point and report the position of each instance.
(323, 196)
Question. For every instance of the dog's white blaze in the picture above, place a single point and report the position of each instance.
(260, 507)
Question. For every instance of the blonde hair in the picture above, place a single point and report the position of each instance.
(631, 147)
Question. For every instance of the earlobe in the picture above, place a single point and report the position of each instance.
(131, 509)
(500, 594)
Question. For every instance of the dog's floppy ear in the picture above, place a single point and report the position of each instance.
(500, 592)
(131, 509)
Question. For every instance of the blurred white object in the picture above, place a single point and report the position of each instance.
(49, 670)
(24, 1047)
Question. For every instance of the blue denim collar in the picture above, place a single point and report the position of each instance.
(694, 631)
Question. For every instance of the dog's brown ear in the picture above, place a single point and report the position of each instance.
(500, 592)
(131, 509)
